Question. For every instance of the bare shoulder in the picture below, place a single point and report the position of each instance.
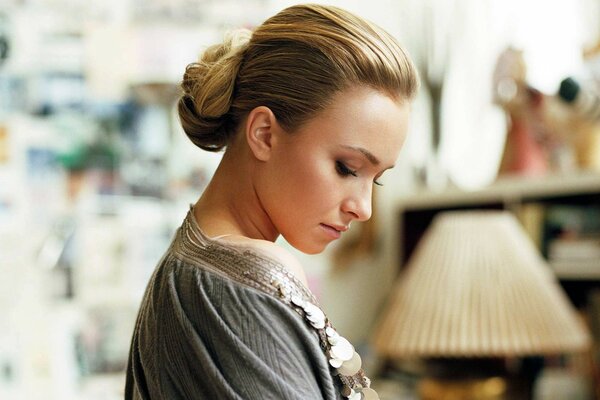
(276, 252)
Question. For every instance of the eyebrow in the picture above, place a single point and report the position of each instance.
(372, 159)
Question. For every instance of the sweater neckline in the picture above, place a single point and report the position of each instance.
(239, 261)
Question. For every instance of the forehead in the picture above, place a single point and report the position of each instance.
(361, 117)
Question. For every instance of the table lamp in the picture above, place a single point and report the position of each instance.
(477, 288)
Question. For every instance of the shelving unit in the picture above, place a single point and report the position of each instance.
(528, 197)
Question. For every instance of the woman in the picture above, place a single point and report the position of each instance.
(311, 109)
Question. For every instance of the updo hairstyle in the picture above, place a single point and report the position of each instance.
(293, 63)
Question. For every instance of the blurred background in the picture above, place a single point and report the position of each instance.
(96, 173)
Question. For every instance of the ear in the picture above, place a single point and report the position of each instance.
(260, 126)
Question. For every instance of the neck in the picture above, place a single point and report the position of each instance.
(230, 204)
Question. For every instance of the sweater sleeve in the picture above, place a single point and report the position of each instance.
(200, 335)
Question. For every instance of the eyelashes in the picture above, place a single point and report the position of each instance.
(343, 170)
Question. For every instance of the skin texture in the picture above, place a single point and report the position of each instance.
(306, 185)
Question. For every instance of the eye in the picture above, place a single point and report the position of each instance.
(343, 169)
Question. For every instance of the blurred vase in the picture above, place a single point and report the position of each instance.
(523, 154)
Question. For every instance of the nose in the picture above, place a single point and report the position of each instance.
(358, 205)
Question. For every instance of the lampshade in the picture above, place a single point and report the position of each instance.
(476, 286)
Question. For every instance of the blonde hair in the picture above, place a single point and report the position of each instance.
(293, 63)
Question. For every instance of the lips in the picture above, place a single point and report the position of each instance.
(339, 228)
(335, 231)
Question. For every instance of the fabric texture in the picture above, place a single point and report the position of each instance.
(210, 326)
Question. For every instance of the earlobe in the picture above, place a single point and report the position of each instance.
(259, 132)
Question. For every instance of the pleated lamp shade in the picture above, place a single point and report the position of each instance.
(476, 286)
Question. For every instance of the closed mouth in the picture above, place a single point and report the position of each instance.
(339, 228)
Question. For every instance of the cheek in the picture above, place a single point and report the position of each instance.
(316, 179)
(307, 182)
(313, 176)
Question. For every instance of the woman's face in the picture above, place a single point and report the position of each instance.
(320, 178)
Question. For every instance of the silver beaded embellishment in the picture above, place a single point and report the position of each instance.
(340, 352)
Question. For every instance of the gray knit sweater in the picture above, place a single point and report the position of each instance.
(214, 324)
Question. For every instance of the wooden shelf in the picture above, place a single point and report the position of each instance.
(508, 190)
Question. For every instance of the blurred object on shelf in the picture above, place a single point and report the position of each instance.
(571, 240)
(576, 249)
(583, 121)
(585, 102)
(576, 111)
(489, 296)
(547, 133)
(558, 383)
(509, 79)
(524, 151)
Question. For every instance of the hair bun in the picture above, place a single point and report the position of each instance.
(208, 90)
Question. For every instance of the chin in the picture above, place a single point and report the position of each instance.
(308, 248)
(313, 251)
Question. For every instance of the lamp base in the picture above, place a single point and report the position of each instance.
(473, 379)
(494, 388)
